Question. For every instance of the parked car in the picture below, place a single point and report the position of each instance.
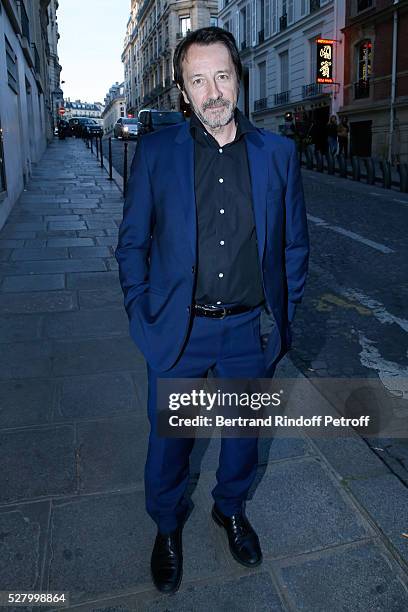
(77, 125)
(126, 127)
(151, 120)
(63, 129)
(91, 128)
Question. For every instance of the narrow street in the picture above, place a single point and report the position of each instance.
(74, 428)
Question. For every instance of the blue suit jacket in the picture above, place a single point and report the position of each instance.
(157, 244)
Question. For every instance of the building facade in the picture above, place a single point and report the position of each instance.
(115, 107)
(376, 78)
(54, 67)
(26, 120)
(153, 31)
(83, 109)
(277, 42)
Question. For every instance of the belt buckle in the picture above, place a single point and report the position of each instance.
(224, 313)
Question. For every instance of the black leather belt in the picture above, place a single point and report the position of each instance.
(218, 312)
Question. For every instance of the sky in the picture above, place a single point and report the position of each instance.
(90, 46)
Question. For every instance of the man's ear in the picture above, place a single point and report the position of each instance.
(186, 100)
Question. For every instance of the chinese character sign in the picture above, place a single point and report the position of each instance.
(324, 60)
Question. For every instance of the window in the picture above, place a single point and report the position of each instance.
(3, 185)
(303, 7)
(290, 11)
(185, 25)
(243, 14)
(364, 60)
(213, 20)
(362, 5)
(274, 8)
(284, 71)
(11, 60)
(262, 79)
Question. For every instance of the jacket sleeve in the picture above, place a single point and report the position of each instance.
(132, 252)
(296, 234)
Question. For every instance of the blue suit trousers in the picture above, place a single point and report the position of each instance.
(231, 348)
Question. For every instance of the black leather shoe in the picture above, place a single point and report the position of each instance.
(167, 561)
(243, 541)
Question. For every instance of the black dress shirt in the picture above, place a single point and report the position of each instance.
(228, 269)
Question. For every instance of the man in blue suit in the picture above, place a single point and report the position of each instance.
(213, 253)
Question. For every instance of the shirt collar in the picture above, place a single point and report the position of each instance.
(243, 125)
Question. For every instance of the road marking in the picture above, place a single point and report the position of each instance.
(377, 194)
(393, 375)
(401, 201)
(379, 311)
(340, 230)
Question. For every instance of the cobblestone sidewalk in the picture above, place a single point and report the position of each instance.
(73, 434)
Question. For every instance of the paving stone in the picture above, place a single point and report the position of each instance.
(107, 240)
(94, 356)
(101, 395)
(25, 359)
(357, 578)
(26, 402)
(27, 453)
(80, 204)
(35, 243)
(7, 232)
(11, 244)
(100, 544)
(57, 234)
(112, 264)
(112, 232)
(45, 301)
(306, 511)
(254, 592)
(91, 251)
(20, 327)
(69, 225)
(70, 242)
(34, 282)
(23, 530)
(385, 498)
(91, 233)
(5, 254)
(62, 217)
(95, 280)
(87, 323)
(32, 226)
(49, 266)
(350, 457)
(100, 224)
(101, 298)
(112, 453)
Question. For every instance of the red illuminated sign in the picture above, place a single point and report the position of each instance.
(324, 66)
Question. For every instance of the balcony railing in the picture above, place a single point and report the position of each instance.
(361, 89)
(283, 22)
(25, 24)
(243, 45)
(311, 90)
(182, 34)
(261, 36)
(282, 98)
(260, 104)
(314, 5)
(167, 82)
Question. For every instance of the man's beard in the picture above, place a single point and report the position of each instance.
(214, 119)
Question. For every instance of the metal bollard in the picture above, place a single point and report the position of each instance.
(125, 169)
(386, 173)
(330, 162)
(370, 169)
(97, 147)
(91, 144)
(319, 161)
(101, 152)
(309, 158)
(403, 173)
(355, 164)
(110, 159)
(342, 162)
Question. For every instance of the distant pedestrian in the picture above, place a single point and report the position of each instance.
(332, 128)
(343, 136)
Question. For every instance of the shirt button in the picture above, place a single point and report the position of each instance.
(218, 302)
(193, 269)
(222, 211)
(220, 180)
(188, 309)
(222, 242)
(220, 151)
(221, 275)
